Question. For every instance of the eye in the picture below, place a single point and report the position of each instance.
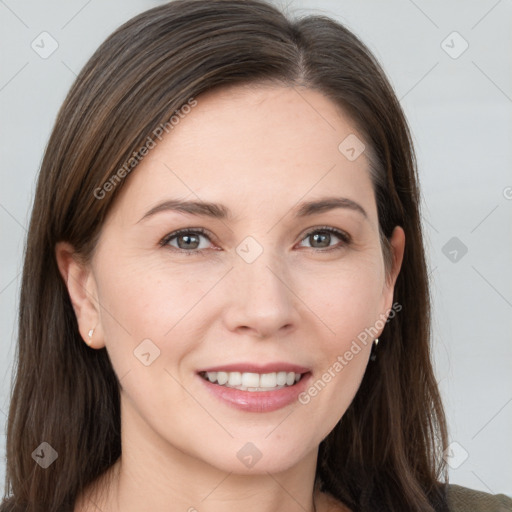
(320, 238)
(186, 240)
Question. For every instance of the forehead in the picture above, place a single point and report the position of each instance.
(254, 146)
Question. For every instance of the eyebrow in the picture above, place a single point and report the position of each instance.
(219, 211)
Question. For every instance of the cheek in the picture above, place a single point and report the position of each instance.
(347, 299)
(153, 302)
(347, 305)
(148, 297)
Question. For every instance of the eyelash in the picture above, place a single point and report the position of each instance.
(344, 237)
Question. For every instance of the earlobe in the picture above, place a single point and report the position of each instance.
(81, 286)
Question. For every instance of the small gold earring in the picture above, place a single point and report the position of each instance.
(91, 332)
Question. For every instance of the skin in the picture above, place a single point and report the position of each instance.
(259, 151)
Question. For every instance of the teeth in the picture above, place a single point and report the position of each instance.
(281, 378)
(235, 379)
(268, 380)
(253, 381)
(249, 380)
(222, 378)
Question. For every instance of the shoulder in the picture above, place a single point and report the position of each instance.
(463, 499)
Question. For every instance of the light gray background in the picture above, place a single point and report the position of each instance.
(459, 110)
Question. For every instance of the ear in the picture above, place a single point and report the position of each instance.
(397, 245)
(82, 290)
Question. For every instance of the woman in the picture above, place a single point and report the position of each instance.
(224, 302)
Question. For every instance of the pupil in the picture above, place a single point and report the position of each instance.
(187, 239)
(325, 236)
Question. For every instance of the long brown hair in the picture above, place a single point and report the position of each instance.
(385, 453)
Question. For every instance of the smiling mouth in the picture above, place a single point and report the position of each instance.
(248, 381)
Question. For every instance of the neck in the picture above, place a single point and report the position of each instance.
(153, 475)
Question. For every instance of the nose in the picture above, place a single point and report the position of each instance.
(262, 300)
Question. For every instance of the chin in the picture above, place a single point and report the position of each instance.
(259, 455)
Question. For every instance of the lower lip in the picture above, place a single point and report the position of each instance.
(258, 401)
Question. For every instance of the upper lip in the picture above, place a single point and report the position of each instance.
(257, 368)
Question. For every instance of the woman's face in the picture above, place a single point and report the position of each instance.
(262, 289)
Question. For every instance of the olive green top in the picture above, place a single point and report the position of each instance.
(463, 499)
